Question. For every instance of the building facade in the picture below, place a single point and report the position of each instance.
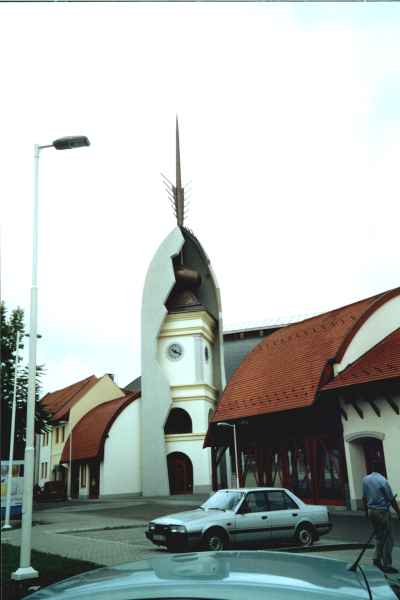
(314, 402)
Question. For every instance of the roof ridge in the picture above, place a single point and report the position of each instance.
(83, 381)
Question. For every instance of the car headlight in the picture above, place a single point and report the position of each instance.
(151, 527)
(177, 529)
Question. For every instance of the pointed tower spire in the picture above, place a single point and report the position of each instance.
(179, 193)
(176, 193)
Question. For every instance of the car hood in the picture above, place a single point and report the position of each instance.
(224, 575)
(189, 516)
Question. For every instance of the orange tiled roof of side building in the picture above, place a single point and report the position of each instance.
(284, 371)
(88, 435)
(59, 402)
(379, 363)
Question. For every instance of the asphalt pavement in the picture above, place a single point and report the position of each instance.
(111, 531)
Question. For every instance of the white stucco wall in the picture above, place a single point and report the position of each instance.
(120, 468)
(156, 397)
(379, 325)
(386, 427)
(44, 456)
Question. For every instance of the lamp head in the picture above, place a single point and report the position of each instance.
(72, 141)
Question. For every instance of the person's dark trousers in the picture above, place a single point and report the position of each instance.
(382, 524)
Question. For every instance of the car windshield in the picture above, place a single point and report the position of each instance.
(223, 500)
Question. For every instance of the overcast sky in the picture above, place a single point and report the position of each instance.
(290, 125)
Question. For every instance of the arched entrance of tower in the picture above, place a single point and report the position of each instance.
(180, 473)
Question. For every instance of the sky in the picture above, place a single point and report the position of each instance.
(290, 123)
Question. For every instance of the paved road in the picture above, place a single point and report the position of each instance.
(109, 532)
(356, 528)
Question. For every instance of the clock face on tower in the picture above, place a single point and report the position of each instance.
(175, 351)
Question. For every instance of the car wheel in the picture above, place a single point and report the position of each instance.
(305, 535)
(215, 540)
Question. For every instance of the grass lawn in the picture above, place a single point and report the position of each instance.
(51, 568)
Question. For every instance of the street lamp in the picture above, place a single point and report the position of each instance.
(25, 571)
(233, 426)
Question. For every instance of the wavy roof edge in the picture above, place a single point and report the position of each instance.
(286, 369)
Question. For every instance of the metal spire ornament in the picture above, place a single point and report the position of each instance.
(176, 193)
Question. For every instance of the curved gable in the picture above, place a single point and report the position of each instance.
(90, 432)
(380, 363)
(380, 320)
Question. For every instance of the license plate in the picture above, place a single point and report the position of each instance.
(159, 538)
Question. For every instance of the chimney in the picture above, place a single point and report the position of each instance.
(111, 376)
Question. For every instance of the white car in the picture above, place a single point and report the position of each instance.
(242, 516)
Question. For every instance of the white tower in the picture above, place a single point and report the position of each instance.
(182, 361)
(186, 351)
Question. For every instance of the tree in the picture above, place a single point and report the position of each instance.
(9, 328)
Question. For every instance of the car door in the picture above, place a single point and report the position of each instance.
(283, 515)
(251, 519)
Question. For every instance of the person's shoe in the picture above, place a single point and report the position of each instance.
(389, 570)
(377, 563)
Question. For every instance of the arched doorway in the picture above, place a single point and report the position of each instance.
(180, 473)
(374, 454)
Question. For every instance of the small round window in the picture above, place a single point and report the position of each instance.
(206, 353)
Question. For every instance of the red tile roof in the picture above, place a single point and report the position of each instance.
(381, 362)
(89, 434)
(287, 368)
(59, 403)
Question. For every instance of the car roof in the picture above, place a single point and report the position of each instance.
(254, 489)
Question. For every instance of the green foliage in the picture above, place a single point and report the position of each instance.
(9, 328)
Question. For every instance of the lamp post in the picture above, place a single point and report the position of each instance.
(12, 434)
(25, 571)
(233, 426)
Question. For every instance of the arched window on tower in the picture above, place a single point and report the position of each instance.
(178, 421)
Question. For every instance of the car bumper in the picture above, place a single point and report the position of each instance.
(178, 539)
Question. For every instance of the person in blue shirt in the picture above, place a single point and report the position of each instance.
(377, 499)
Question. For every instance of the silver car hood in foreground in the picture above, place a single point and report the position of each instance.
(253, 575)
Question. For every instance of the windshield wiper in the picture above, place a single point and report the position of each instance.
(215, 508)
